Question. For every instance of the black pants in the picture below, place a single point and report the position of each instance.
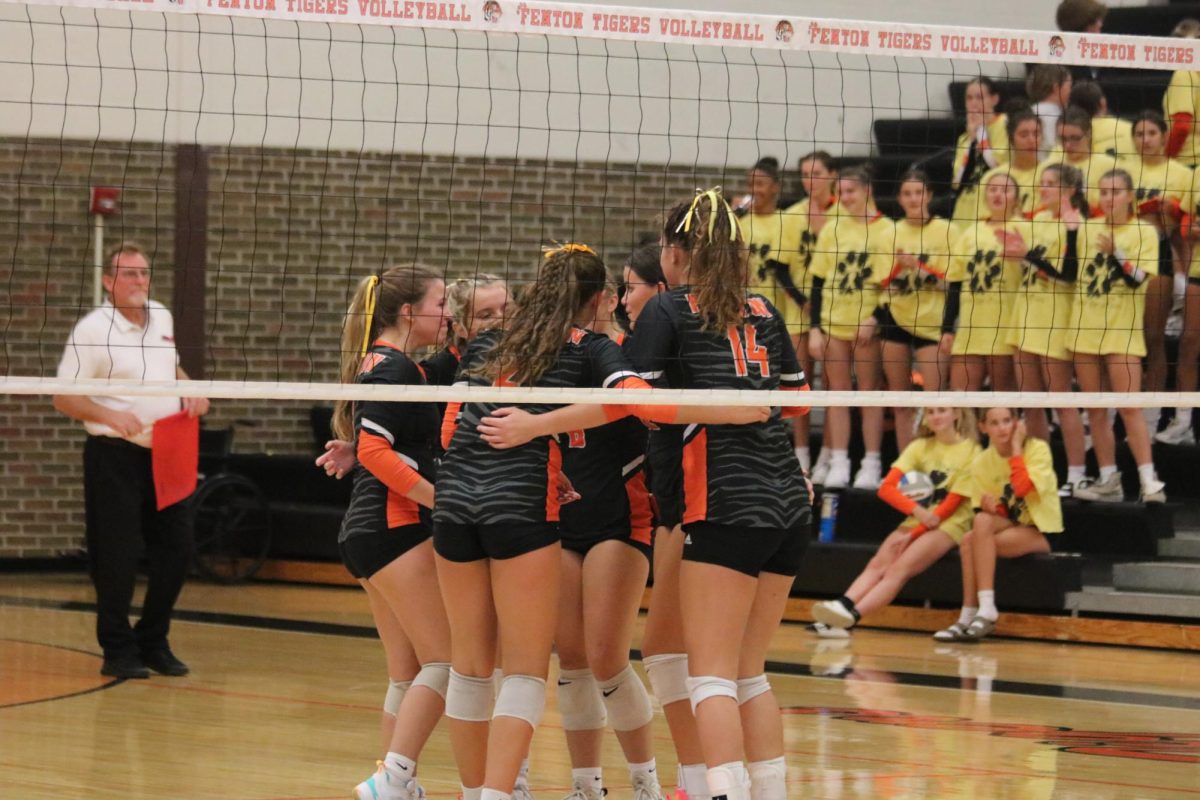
(122, 526)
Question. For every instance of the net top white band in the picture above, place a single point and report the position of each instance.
(281, 391)
(670, 26)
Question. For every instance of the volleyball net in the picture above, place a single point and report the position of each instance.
(269, 154)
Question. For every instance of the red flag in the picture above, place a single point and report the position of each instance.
(175, 456)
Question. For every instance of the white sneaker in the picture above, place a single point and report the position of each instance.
(838, 476)
(868, 476)
(1099, 491)
(820, 470)
(646, 787)
(382, 786)
(833, 614)
(1068, 488)
(824, 631)
(1154, 492)
(579, 792)
(1178, 431)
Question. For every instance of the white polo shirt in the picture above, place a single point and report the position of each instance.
(105, 344)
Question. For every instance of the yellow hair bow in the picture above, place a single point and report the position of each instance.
(715, 199)
(569, 247)
(369, 312)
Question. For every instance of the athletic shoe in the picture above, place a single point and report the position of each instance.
(820, 470)
(580, 793)
(1178, 431)
(645, 787)
(823, 631)
(382, 786)
(1101, 491)
(1154, 492)
(978, 629)
(164, 662)
(1068, 488)
(834, 614)
(838, 476)
(868, 476)
(954, 633)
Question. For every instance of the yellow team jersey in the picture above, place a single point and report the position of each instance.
(852, 256)
(1106, 316)
(1042, 311)
(764, 241)
(1093, 168)
(989, 286)
(1112, 137)
(917, 298)
(798, 242)
(1027, 184)
(991, 474)
(1183, 97)
(945, 464)
(967, 176)
(1169, 181)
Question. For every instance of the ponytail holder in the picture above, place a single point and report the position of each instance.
(369, 312)
(569, 247)
(715, 199)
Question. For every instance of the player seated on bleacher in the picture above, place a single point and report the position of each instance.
(1013, 491)
(918, 485)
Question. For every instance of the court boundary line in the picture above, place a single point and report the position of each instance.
(917, 679)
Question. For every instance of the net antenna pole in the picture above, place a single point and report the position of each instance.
(105, 202)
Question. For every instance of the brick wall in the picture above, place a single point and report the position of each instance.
(290, 233)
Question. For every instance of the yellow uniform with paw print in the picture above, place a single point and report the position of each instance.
(852, 256)
(989, 286)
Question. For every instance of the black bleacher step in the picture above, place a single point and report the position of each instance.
(888, 169)
(916, 137)
(1148, 20)
(1029, 583)
(1118, 529)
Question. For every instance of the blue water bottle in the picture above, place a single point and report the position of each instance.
(829, 508)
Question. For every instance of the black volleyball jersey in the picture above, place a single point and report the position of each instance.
(743, 475)
(395, 442)
(606, 466)
(480, 485)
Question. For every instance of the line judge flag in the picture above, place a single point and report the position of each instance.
(175, 457)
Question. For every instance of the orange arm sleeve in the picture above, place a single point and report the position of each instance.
(889, 492)
(1181, 126)
(795, 411)
(384, 463)
(647, 413)
(1021, 483)
(450, 423)
(943, 511)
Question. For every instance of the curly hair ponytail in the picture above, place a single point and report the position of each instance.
(707, 231)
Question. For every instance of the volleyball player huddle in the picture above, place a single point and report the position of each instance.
(1055, 270)
(487, 535)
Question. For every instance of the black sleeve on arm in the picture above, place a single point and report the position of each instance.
(953, 303)
(1070, 265)
(814, 302)
(783, 277)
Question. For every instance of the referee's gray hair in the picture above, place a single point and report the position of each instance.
(123, 248)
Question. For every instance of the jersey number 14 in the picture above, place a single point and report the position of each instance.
(746, 351)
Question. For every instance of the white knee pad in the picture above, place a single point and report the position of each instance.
(579, 701)
(668, 675)
(627, 700)
(522, 697)
(469, 699)
(435, 675)
(730, 781)
(768, 779)
(395, 694)
(750, 688)
(705, 687)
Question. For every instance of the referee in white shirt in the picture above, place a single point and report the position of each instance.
(129, 337)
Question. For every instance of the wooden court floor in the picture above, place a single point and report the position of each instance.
(283, 702)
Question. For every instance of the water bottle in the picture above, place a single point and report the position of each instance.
(829, 508)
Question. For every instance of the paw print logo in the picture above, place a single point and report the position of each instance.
(807, 240)
(924, 279)
(1013, 506)
(1144, 193)
(852, 272)
(984, 268)
(1100, 274)
(940, 490)
(904, 285)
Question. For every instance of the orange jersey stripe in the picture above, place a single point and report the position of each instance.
(695, 478)
(641, 515)
(553, 470)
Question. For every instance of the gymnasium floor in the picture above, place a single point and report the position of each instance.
(284, 696)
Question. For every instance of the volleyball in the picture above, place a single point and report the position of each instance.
(916, 486)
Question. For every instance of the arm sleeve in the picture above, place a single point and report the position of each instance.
(953, 303)
(375, 453)
(814, 306)
(1021, 483)
(943, 511)
(1181, 127)
(889, 492)
(783, 277)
